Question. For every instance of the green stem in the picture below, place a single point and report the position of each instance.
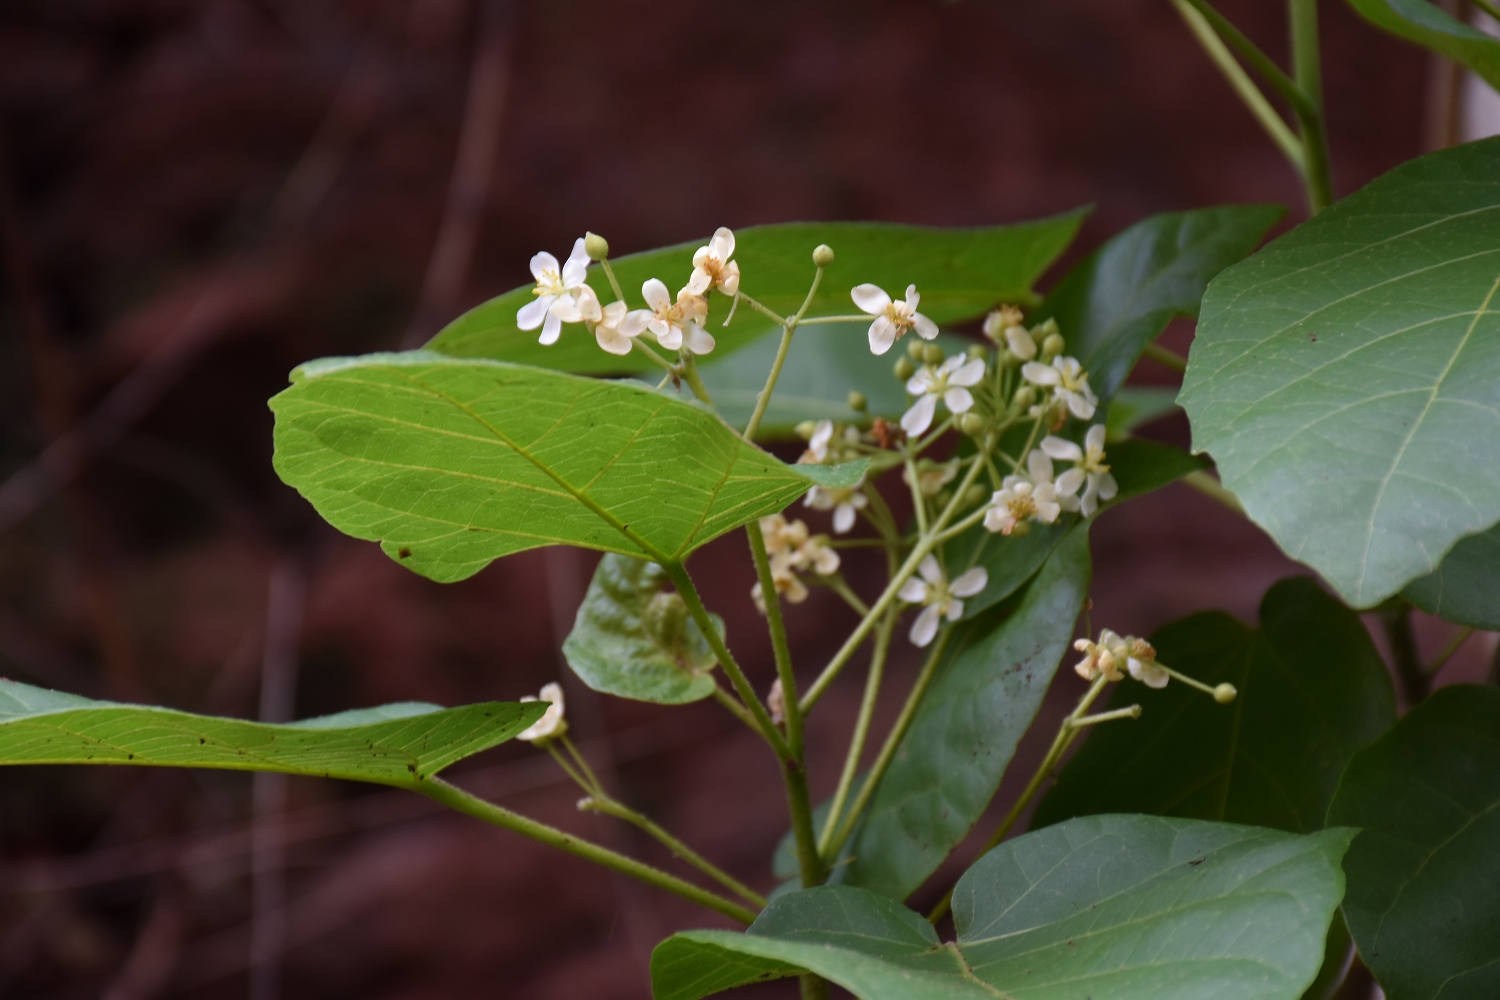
(736, 707)
(693, 379)
(788, 328)
(605, 804)
(1067, 732)
(1307, 66)
(1395, 616)
(768, 313)
(1166, 358)
(812, 987)
(1240, 81)
(888, 749)
(1489, 7)
(614, 282)
(1258, 60)
(839, 586)
(1454, 645)
(645, 348)
(861, 729)
(1209, 486)
(461, 801)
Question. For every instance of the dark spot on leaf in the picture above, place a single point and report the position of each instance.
(130, 756)
(403, 552)
(1198, 861)
(201, 741)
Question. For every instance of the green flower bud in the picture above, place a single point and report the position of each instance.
(943, 499)
(805, 429)
(1053, 344)
(822, 255)
(596, 246)
(974, 495)
(1020, 529)
(857, 401)
(932, 354)
(1225, 693)
(1024, 399)
(972, 424)
(915, 348)
(904, 370)
(976, 351)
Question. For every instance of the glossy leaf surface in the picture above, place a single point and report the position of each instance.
(1430, 26)
(1424, 876)
(987, 690)
(1124, 907)
(450, 464)
(959, 273)
(1465, 588)
(1122, 296)
(1312, 691)
(401, 744)
(633, 637)
(1346, 379)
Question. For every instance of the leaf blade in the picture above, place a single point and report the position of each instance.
(1430, 26)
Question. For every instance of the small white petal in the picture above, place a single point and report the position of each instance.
(699, 282)
(920, 383)
(729, 283)
(1039, 465)
(843, 518)
(1047, 511)
(550, 329)
(970, 374)
(577, 267)
(870, 299)
(566, 309)
(913, 591)
(1081, 407)
(930, 570)
(1094, 439)
(917, 419)
(670, 337)
(530, 316)
(953, 610)
(882, 335)
(925, 627)
(1107, 486)
(722, 245)
(1068, 483)
(699, 340)
(912, 298)
(542, 263)
(654, 291)
(926, 328)
(1040, 374)
(970, 583)
(1062, 449)
(612, 340)
(958, 400)
(998, 519)
(635, 321)
(1020, 343)
(587, 303)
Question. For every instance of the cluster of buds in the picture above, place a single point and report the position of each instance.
(563, 295)
(1017, 344)
(552, 724)
(1114, 655)
(792, 550)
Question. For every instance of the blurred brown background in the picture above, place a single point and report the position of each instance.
(196, 196)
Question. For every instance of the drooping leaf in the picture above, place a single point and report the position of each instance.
(1136, 405)
(633, 637)
(1122, 296)
(401, 745)
(1424, 876)
(1124, 907)
(1312, 691)
(987, 690)
(1141, 466)
(824, 364)
(450, 464)
(1346, 379)
(958, 272)
(1465, 588)
(1430, 26)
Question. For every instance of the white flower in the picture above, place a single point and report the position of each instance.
(556, 293)
(1105, 657)
(844, 503)
(551, 723)
(670, 321)
(892, 319)
(940, 597)
(792, 550)
(931, 476)
(712, 267)
(1033, 497)
(1088, 467)
(1066, 377)
(948, 382)
(604, 321)
(817, 445)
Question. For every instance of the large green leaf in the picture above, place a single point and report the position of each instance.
(1465, 588)
(1123, 295)
(450, 463)
(1346, 379)
(1424, 876)
(959, 272)
(986, 692)
(1429, 25)
(1313, 690)
(402, 744)
(633, 637)
(824, 364)
(1123, 907)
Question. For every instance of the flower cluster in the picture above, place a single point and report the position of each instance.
(563, 295)
(939, 597)
(1112, 652)
(793, 550)
(1036, 496)
(551, 724)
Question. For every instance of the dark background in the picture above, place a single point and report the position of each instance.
(198, 196)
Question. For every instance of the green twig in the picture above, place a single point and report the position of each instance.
(457, 799)
(1307, 66)
(1209, 486)
(861, 729)
(1454, 645)
(1395, 617)
(1166, 358)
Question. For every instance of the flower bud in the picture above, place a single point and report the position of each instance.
(1053, 344)
(974, 495)
(905, 369)
(932, 354)
(976, 351)
(971, 424)
(1225, 693)
(943, 499)
(1020, 529)
(857, 401)
(914, 347)
(596, 246)
(1024, 398)
(805, 429)
(822, 255)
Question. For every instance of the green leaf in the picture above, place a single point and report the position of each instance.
(633, 637)
(450, 464)
(1465, 588)
(401, 745)
(986, 692)
(1141, 466)
(1313, 690)
(824, 364)
(1136, 405)
(1430, 26)
(1122, 296)
(959, 272)
(1424, 876)
(1124, 907)
(1346, 379)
